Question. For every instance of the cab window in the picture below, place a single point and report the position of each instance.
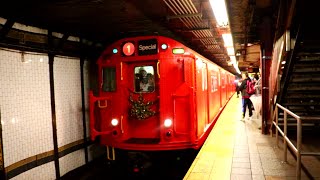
(144, 79)
(109, 79)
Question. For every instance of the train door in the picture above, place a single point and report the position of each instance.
(227, 86)
(202, 96)
(223, 88)
(215, 92)
(206, 79)
(143, 118)
(220, 88)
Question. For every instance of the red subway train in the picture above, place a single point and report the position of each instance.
(156, 94)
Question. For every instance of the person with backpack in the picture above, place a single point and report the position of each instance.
(245, 89)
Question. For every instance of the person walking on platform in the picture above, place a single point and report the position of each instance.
(237, 84)
(245, 96)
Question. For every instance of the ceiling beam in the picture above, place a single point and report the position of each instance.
(62, 41)
(205, 38)
(6, 28)
(194, 29)
(184, 16)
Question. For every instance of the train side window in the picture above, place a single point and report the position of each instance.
(109, 79)
(214, 83)
(144, 79)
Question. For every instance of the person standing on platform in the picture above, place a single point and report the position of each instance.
(237, 84)
(245, 96)
(256, 98)
(257, 85)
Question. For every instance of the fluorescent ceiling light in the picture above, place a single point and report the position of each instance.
(230, 51)
(227, 39)
(233, 59)
(236, 68)
(235, 64)
(220, 12)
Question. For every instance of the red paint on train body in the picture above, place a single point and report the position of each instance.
(157, 95)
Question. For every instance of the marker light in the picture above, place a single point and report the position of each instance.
(167, 123)
(164, 46)
(178, 51)
(114, 122)
(115, 50)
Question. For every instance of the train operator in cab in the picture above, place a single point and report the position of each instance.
(146, 81)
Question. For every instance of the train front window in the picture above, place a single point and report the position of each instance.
(109, 79)
(144, 79)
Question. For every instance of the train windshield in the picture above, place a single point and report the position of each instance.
(109, 79)
(144, 79)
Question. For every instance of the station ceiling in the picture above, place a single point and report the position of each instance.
(189, 21)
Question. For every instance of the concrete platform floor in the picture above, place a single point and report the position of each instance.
(237, 150)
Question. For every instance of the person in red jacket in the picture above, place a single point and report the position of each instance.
(246, 102)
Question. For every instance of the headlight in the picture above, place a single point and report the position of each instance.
(114, 122)
(167, 123)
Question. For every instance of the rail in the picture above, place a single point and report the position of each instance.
(297, 150)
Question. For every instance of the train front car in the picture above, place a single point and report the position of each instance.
(156, 94)
(145, 99)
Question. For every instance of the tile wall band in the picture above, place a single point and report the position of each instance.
(43, 158)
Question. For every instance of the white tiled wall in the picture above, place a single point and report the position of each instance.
(68, 102)
(25, 105)
(43, 172)
(67, 84)
(71, 161)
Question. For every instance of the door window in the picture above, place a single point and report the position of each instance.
(109, 79)
(144, 79)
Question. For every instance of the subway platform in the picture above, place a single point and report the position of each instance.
(237, 150)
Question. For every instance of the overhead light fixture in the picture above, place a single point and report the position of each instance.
(219, 9)
(233, 59)
(235, 63)
(230, 51)
(227, 39)
(220, 12)
(228, 43)
(236, 67)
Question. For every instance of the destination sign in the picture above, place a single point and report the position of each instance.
(147, 47)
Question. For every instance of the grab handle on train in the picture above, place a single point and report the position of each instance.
(158, 69)
(105, 104)
(92, 100)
